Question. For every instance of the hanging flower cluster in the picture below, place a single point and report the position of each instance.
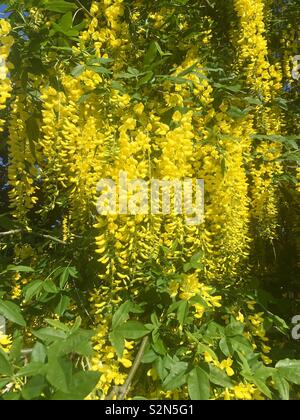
(173, 122)
(266, 81)
(6, 42)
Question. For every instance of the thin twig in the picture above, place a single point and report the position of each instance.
(41, 235)
(10, 232)
(84, 8)
(121, 392)
(52, 238)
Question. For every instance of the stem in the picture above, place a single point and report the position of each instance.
(41, 235)
(10, 232)
(122, 391)
(84, 8)
(52, 238)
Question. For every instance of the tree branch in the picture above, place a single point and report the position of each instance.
(121, 392)
(84, 8)
(52, 238)
(41, 235)
(10, 232)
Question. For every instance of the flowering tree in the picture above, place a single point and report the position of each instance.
(104, 306)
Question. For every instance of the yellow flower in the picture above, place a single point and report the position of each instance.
(200, 310)
(5, 342)
(5, 27)
(240, 318)
(152, 373)
(208, 357)
(257, 319)
(265, 348)
(244, 391)
(16, 292)
(251, 304)
(139, 109)
(119, 378)
(129, 345)
(177, 116)
(125, 362)
(215, 301)
(266, 359)
(189, 287)
(226, 365)
(173, 288)
(227, 395)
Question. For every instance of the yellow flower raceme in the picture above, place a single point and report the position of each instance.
(5, 342)
(6, 42)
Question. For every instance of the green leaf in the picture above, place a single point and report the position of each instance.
(198, 384)
(262, 387)
(50, 287)
(38, 353)
(32, 129)
(32, 289)
(149, 356)
(155, 320)
(73, 272)
(202, 348)
(219, 377)
(132, 330)
(65, 274)
(15, 352)
(4, 382)
(234, 328)
(32, 369)
(290, 369)
(78, 70)
(59, 6)
(64, 278)
(78, 343)
(59, 374)
(49, 335)
(66, 22)
(159, 346)
(77, 324)
(240, 343)
(11, 396)
(233, 88)
(237, 113)
(12, 312)
(182, 311)
(117, 342)
(34, 387)
(100, 70)
(99, 61)
(226, 346)
(282, 385)
(82, 384)
(58, 325)
(5, 367)
(151, 54)
(263, 372)
(177, 376)
(20, 268)
(175, 382)
(62, 305)
(121, 315)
